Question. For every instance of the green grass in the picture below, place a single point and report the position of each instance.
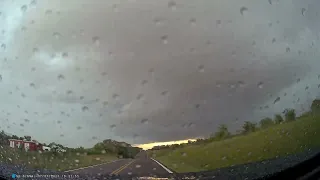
(278, 140)
(49, 160)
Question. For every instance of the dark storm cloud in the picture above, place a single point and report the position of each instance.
(144, 71)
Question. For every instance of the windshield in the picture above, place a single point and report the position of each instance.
(152, 88)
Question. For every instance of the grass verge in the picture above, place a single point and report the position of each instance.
(49, 160)
(278, 140)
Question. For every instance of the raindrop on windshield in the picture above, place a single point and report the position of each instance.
(24, 8)
(113, 126)
(85, 108)
(144, 121)
(56, 35)
(48, 12)
(243, 10)
(303, 11)
(96, 40)
(164, 39)
(260, 85)
(61, 77)
(172, 5)
(276, 100)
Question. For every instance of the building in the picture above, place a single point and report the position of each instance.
(27, 145)
(46, 148)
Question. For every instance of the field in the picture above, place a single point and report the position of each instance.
(49, 160)
(278, 140)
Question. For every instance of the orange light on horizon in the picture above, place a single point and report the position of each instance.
(151, 145)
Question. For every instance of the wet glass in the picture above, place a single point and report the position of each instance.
(153, 88)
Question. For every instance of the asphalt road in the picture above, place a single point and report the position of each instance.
(141, 165)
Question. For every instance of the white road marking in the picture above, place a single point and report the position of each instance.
(92, 165)
(168, 170)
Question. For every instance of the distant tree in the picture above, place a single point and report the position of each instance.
(21, 138)
(249, 127)
(278, 119)
(290, 115)
(315, 106)
(15, 137)
(266, 122)
(222, 132)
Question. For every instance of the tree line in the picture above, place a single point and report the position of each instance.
(248, 127)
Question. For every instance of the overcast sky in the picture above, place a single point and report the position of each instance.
(79, 71)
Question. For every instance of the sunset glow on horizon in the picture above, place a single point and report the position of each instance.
(151, 145)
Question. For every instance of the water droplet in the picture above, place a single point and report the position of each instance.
(77, 161)
(260, 85)
(105, 103)
(201, 68)
(24, 8)
(33, 2)
(48, 12)
(115, 96)
(32, 85)
(273, 40)
(164, 39)
(65, 54)
(138, 166)
(193, 21)
(56, 35)
(218, 22)
(276, 100)
(96, 40)
(35, 50)
(113, 126)
(241, 83)
(79, 127)
(172, 5)
(298, 80)
(163, 93)
(144, 121)
(144, 82)
(140, 96)
(23, 28)
(115, 8)
(303, 11)
(243, 10)
(61, 77)
(184, 154)
(287, 49)
(270, 2)
(69, 92)
(3, 46)
(104, 73)
(85, 108)
(157, 21)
